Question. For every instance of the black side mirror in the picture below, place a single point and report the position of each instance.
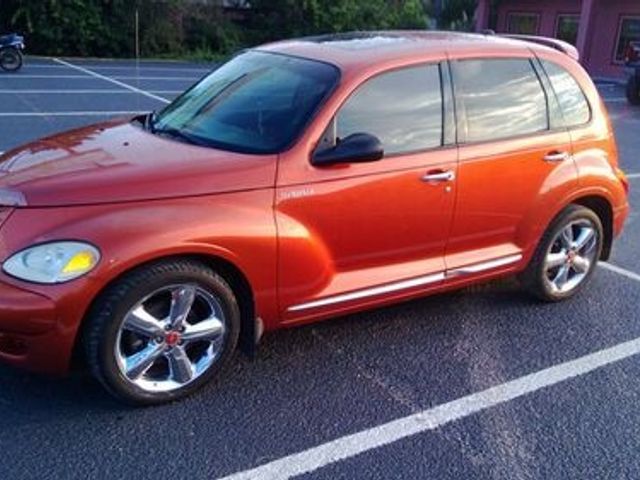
(356, 148)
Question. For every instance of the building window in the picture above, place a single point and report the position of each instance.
(628, 32)
(523, 23)
(567, 28)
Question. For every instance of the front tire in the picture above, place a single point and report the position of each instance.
(161, 332)
(10, 59)
(566, 256)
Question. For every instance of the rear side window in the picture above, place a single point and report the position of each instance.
(501, 98)
(403, 108)
(574, 105)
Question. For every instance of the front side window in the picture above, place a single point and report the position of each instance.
(523, 23)
(628, 32)
(500, 98)
(402, 108)
(567, 28)
(574, 105)
(257, 102)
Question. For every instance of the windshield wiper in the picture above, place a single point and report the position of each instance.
(150, 121)
(181, 135)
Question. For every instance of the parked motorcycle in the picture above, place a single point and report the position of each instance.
(11, 47)
(632, 67)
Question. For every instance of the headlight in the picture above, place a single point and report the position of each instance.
(56, 262)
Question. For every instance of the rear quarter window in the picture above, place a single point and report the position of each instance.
(572, 100)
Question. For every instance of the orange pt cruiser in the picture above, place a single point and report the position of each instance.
(299, 181)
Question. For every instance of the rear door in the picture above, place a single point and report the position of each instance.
(513, 163)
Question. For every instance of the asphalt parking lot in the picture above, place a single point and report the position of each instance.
(399, 392)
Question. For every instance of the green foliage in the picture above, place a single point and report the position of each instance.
(458, 15)
(191, 28)
(54, 25)
(274, 19)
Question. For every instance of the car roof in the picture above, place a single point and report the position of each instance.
(353, 49)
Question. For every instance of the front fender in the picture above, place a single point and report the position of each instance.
(238, 228)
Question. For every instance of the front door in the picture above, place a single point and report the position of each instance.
(353, 234)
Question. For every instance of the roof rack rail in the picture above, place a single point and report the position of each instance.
(554, 43)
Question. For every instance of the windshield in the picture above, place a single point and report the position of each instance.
(257, 102)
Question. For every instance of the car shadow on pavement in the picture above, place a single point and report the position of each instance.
(24, 392)
(375, 365)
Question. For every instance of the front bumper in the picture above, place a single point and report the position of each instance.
(30, 336)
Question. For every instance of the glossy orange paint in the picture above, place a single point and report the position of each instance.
(361, 235)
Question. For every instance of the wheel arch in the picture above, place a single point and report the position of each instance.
(232, 274)
(598, 202)
(602, 207)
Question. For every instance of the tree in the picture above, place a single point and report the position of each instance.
(457, 15)
(69, 27)
(179, 27)
(276, 19)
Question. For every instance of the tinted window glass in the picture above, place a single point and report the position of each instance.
(501, 98)
(402, 108)
(257, 102)
(575, 107)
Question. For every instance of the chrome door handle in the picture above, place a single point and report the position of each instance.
(556, 157)
(446, 176)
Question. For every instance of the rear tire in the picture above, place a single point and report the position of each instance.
(566, 256)
(162, 332)
(633, 90)
(10, 59)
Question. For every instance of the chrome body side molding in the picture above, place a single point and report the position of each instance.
(371, 292)
(481, 267)
(407, 284)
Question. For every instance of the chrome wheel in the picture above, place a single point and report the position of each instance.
(170, 338)
(571, 256)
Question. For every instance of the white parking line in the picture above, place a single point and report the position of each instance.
(56, 92)
(143, 67)
(620, 271)
(615, 99)
(170, 79)
(633, 175)
(363, 441)
(108, 79)
(30, 77)
(126, 77)
(70, 114)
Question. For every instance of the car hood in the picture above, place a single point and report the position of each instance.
(121, 162)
